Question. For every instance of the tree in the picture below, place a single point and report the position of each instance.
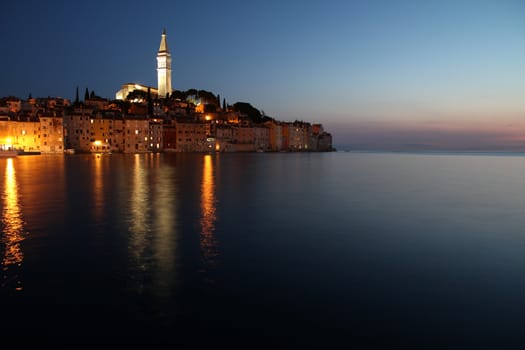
(224, 105)
(208, 97)
(92, 94)
(150, 102)
(29, 97)
(86, 95)
(218, 101)
(178, 95)
(76, 98)
(192, 92)
(210, 108)
(247, 109)
(138, 95)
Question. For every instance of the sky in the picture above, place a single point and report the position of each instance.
(377, 74)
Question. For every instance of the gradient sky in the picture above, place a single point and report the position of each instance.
(377, 74)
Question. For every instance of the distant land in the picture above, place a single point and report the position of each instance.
(147, 119)
(142, 123)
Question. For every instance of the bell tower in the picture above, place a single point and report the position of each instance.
(164, 67)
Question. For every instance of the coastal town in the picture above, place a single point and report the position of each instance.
(144, 119)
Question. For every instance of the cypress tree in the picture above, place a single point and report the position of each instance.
(224, 104)
(76, 97)
(86, 95)
(218, 101)
(92, 94)
(150, 102)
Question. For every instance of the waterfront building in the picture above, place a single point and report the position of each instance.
(324, 142)
(136, 134)
(298, 136)
(77, 129)
(261, 138)
(26, 134)
(223, 138)
(169, 136)
(21, 133)
(275, 135)
(51, 132)
(194, 136)
(101, 132)
(155, 142)
(243, 139)
(285, 137)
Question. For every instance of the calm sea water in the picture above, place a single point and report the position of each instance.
(398, 246)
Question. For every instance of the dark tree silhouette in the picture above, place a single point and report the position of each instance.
(247, 109)
(137, 95)
(150, 102)
(86, 95)
(176, 94)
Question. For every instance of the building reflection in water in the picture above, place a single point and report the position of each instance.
(208, 242)
(152, 220)
(138, 241)
(13, 231)
(164, 214)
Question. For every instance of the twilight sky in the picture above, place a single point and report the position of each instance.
(377, 74)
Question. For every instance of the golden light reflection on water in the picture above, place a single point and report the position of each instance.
(208, 241)
(164, 216)
(98, 187)
(138, 223)
(13, 230)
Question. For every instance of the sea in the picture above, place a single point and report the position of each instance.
(337, 248)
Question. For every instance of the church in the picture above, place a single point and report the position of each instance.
(163, 75)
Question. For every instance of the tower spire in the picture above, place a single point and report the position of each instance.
(163, 44)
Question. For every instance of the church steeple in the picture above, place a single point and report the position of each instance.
(164, 67)
(163, 45)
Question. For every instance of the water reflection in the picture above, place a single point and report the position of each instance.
(98, 187)
(208, 242)
(164, 214)
(13, 231)
(138, 224)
